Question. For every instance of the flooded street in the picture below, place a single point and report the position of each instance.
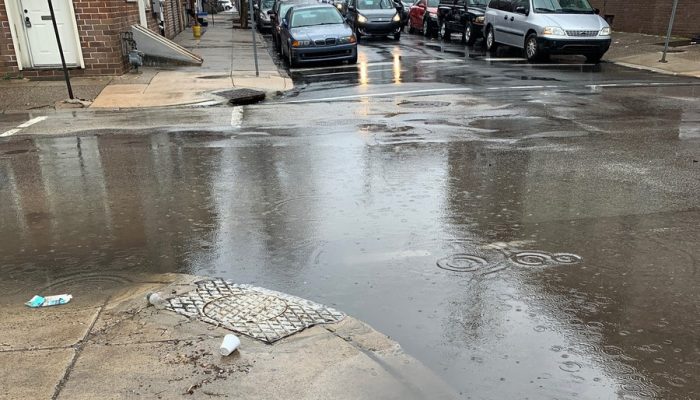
(523, 237)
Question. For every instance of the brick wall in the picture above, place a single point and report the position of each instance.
(8, 62)
(652, 16)
(99, 24)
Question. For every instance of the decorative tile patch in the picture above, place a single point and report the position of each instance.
(259, 313)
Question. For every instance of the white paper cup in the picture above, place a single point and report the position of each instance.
(229, 345)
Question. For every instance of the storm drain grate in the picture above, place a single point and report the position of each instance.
(259, 313)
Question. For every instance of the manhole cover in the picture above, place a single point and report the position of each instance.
(242, 96)
(259, 313)
(251, 307)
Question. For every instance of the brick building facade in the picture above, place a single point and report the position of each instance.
(651, 16)
(97, 24)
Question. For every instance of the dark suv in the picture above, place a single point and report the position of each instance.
(462, 16)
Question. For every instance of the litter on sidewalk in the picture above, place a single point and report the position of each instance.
(229, 345)
(57, 300)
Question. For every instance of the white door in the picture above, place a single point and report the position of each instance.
(40, 34)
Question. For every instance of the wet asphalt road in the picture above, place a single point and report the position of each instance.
(525, 231)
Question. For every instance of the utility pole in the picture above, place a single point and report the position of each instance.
(60, 51)
(668, 33)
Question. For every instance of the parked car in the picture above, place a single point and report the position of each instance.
(422, 17)
(260, 13)
(316, 33)
(277, 13)
(403, 7)
(462, 16)
(374, 17)
(225, 5)
(544, 27)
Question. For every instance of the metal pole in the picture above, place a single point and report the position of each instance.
(255, 45)
(60, 51)
(670, 28)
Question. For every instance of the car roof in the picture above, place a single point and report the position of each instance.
(311, 5)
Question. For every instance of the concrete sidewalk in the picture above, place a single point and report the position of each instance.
(228, 64)
(636, 50)
(108, 344)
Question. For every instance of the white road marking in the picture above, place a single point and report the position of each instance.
(354, 72)
(489, 59)
(359, 96)
(10, 132)
(447, 60)
(32, 121)
(641, 84)
(236, 117)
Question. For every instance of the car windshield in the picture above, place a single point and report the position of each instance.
(375, 4)
(316, 16)
(433, 3)
(563, 6)
(267, 3)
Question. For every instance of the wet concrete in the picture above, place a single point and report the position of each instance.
(523, 242)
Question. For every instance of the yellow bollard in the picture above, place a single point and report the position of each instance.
(197, 31)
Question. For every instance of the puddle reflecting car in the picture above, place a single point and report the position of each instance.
(462, 16)
(544, 27)
(374, 17)
(423, 16)
(316, 33)
(277, 13)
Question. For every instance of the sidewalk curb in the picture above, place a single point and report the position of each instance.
(651, 69)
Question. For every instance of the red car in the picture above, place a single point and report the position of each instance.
(422, 16)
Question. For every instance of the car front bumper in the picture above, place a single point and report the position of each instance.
(574, 46)
(379, 28)
(339, 52)
(264, 24)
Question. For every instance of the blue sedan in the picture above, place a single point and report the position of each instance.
(316, 33)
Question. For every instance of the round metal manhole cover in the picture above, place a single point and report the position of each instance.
(248, 307)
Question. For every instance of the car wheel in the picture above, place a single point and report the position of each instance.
(444, 32)
(397, 35)
(411, 29)
(469, 36)
(491, 44)
(358, 35)
(426, 27)
(532, 49)
(290, 59)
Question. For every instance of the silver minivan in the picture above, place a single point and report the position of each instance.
(544, 27)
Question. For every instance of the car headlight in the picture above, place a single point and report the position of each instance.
(339, 6)
(347, 39)
(479, 20)
(553, 31)
(605, 31)
(397, 18)
(301, 43)
(361, 19)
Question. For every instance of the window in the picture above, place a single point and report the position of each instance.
(375, 4)
(493, 4)
(562, 6)
(316, 16)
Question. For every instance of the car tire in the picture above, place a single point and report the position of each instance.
(532, 49)
(290, 59)
(358, 35)
(594, 58)
(469, 35)
(444, 33)
(426, 27)
(491, 44)
(397, 36)
(411, 29)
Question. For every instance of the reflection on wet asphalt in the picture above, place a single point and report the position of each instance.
(522, 243)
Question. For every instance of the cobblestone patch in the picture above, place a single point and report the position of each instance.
(259, 313)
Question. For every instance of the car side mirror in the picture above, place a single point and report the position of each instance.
(522, 10)
(597, 11)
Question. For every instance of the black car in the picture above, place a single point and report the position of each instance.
(277, 13)
(261, 15)
(375, 17)
(462, 16)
